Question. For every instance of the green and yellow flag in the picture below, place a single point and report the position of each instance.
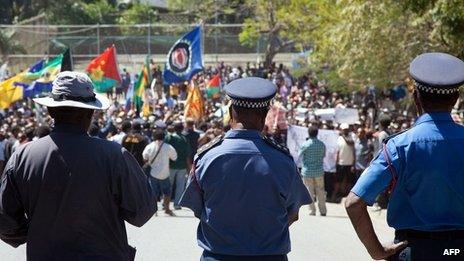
(142, 83)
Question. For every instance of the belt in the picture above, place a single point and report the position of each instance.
(436, 235)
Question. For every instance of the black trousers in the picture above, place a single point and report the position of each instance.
(433, 246)
(208, 256)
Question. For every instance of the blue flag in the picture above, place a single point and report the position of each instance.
(185, 58)
(37, 66)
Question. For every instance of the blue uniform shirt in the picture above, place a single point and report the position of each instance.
(429, 160)
(244, 192)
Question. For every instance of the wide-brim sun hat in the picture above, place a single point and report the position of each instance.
(74, 89)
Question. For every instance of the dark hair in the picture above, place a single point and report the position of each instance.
(42, 131)
(438, 100)
(178, 127)
(94, 129)
(137, 126)
(384, 121)
(71, 115)
(312, 131)
(126, 126)
(262, 112)
(159, 134)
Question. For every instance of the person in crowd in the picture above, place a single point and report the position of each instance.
(158, 154)
(135, 142)
(238, 175)
(125, 129)
(384, 131)
(422, 167)
(192, 136)
(67, 195)
(364, 150)
(312, 154)
(345, 162)
(12, 142)
(42, 131)
(180, 166)
(3, 141)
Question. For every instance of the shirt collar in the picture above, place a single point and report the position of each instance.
(434, 116)
(242, 133)
(69, 128)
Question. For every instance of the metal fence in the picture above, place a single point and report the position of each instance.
(133, 42)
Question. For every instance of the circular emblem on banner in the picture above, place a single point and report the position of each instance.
(180, 57)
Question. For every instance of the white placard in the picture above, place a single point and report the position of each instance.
(297, 135)
(326, 114)
(329, 137)
(346, 115)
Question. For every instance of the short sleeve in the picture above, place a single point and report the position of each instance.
(192, 197)
(298, 195)
(147, 152)
(172, 153)
(136, 203)
(377, 176)
(13, 222)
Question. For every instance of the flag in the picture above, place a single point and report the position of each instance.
(142, 83)
(184, 58)
(103, 70)
(213, 87)
(9, 92)
(41, 75)
(194, 105)
(67, 63)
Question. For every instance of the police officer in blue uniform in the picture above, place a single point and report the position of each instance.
(245, 188)
(424, 169)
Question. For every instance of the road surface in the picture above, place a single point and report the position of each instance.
(313, 237)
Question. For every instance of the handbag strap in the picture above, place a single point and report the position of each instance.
(157, 152)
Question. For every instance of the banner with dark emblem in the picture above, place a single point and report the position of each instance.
(184, 59)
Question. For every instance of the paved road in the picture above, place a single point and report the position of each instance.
(313, 237)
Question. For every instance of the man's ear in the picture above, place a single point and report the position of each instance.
(417, 101)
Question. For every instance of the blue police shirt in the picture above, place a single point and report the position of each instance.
(428, 158)
(244, 192)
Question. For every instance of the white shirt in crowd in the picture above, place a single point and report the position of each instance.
(159, 167)
(345, 152)
(118, 137)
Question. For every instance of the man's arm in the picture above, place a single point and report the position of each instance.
(13, 222)
(136, 203)
(357, 211)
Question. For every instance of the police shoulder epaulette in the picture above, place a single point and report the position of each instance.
(392, 136)
(215, 142)
(276, 145)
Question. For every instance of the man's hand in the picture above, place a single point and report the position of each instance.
(389, 250)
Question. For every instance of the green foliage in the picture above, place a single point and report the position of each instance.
(9, 46)
(137, 13)
(79, 12)
(206, 10)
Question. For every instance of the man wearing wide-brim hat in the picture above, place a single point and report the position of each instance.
(67, 195)
(422, 168)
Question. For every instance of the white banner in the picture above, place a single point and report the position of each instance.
(326, 114)
(329, 137)
(297, 135)
(346, 115)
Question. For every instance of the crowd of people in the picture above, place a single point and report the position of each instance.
(165, 142)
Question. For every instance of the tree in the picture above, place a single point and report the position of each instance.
(8, 46)
(208, 10)
(79, 12)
